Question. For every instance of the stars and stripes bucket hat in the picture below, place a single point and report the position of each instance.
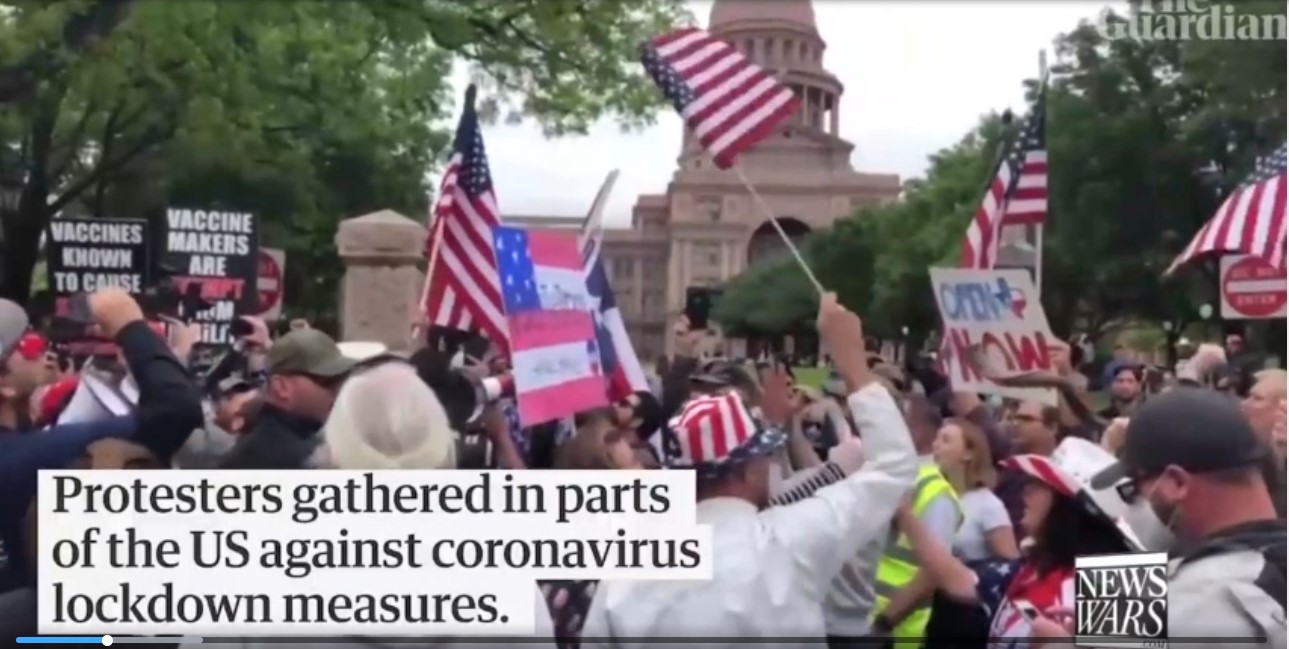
(718, 432)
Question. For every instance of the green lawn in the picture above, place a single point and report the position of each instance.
(815, 376)
(811, 376)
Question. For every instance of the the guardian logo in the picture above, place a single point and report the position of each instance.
(1121, 601)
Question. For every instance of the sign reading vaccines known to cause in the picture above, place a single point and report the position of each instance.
(1121, 600)
(85, 255)
(216, 255)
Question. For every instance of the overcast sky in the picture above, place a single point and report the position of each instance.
(918, 75)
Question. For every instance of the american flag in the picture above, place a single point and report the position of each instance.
(1251, 220)
(463, 292)
(1017, 195)
(728, 102)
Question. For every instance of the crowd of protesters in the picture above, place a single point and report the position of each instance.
(880, 508)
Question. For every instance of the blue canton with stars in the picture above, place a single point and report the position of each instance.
(993, 577)
(675, 88)
(1268, 167)
(1033, 136)
(473, 175)
(515, 269)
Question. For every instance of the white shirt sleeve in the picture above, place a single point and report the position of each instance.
(825, 531)
(992, 513)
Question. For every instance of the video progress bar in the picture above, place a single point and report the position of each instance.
(107, 640)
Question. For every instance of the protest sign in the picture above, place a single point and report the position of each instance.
(84, 255)
(552, 330)
(998, 310)
(218, 253)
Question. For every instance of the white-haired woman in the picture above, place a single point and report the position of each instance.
(385, 417)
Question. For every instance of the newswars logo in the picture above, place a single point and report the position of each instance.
(1183, 20)
(1121, 601)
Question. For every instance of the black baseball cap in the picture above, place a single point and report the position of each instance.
(721, 373)
(1194, 428)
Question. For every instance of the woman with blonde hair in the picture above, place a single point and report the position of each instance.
(962, 452)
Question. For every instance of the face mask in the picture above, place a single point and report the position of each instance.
(1146, 522)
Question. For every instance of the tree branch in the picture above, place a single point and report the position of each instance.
(106, 168)
(80, 32)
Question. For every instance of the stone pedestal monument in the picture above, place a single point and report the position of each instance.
(380, 294)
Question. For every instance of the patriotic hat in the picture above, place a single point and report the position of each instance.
(1069, 472)
(718, 432)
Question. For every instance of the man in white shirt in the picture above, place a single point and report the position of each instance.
(771, 568)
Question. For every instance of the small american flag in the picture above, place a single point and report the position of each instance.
(463, 292)
(1251, 220)
(1017, 195)
(727, 101)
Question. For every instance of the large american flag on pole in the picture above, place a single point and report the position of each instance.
(463, 292)
(728, 102)
(1017, 195)
(1251, 220)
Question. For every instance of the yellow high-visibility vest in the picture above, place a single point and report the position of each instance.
(899, 565)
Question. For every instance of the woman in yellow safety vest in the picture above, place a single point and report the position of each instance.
(897, 570)
(1064, 517)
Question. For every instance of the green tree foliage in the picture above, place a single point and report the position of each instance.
(302, 112)
(1144, 139)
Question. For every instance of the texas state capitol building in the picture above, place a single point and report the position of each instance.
(706, 229)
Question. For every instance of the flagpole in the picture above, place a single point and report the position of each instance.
(436, 241)
(774, 221)
(1038, 230)
(593, 224)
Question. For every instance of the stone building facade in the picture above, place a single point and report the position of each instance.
(706, 228)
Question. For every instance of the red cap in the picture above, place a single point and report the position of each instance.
(52, 402)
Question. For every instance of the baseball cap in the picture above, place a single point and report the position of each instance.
(720, 372)
(309, 352)
(234, 383)
(13, 325)
(1194, 428)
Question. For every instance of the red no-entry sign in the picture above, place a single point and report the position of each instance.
(272, 266)
(1251, 289)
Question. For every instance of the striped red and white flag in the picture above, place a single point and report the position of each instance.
(464, 292)
(1017, 195)
(728, 102)
(1251, 220)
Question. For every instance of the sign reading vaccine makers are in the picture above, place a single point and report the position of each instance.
(216, 255)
